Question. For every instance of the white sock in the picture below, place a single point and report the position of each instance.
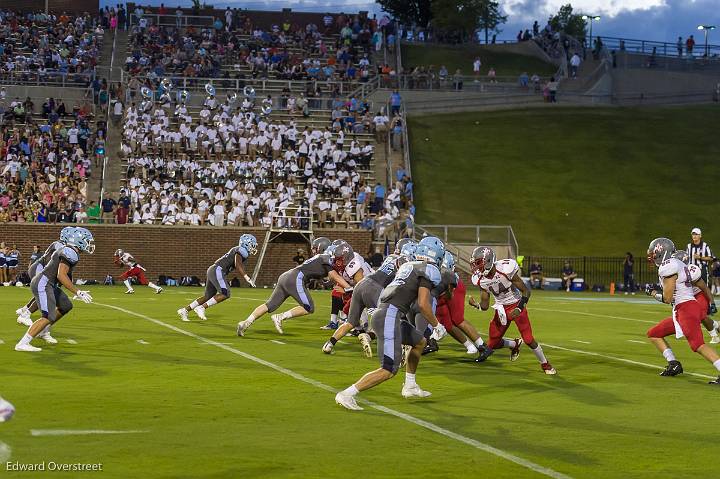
(479, 342)
(154, 286)
(194, 305)
(46, 330)
(210, 302)
(468, 344)
(539, 354)
(351, 391)
(713, 332)
(251, 318)
(509, 343)
(26, 339)
(410, 379)
(286, 315)
(669, 355)
(333, 318)
(717, 364)
(342, 316)
(127, 283)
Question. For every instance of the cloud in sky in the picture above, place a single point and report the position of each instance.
(642, 19)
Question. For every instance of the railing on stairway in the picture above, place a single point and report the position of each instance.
(108, 121)
(285, 220)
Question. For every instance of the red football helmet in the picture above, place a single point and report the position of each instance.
(342, 255)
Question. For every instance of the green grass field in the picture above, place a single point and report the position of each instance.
(505, 64)
(207, 404)
(571, 181)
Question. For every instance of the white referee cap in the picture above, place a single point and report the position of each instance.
(696, 231)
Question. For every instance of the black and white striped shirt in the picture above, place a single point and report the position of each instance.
(701, 249)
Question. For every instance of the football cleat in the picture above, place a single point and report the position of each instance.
(713, 339)
(431, 346)
(472, 350)
(414, 391)
(242, 327)
(327, 347)
(158, 291)
(23, 316)
(515, 352)
(355, 332)
(716, 382)
(365, 343)
(485, 352)
(330, 325)
(200, 311)
(48, 338)
(405, 351)
(27, 348)
(673, 368)
(347, 401)
(130, 291)
(548, 369)
(182, 312)
(277, 320)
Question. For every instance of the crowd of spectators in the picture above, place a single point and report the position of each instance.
(39, 46)
(47, 153)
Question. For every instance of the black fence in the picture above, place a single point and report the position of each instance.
(594, 270)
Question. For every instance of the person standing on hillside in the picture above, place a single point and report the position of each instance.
(699, 252)
(476, 68)
(574, 65)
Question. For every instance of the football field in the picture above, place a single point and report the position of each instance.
(134, 389)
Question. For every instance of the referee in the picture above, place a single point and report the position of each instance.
(699, 252)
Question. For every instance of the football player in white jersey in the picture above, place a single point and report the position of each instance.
(355, 270)
(702, 295)
(687, 313)
(136, 270)
(502, 279)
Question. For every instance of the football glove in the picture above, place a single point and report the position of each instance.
(84, 296)
(712, 309)
(439, 332)
(650, 289)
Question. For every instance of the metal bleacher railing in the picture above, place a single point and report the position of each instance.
(632, 45)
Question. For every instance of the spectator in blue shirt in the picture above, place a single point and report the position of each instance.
(395, 102)
(379, 198)
(568, 275)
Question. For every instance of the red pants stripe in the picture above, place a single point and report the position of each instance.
(497, 329)
(136, 273)
(690, 315)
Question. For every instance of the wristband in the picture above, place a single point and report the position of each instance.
(659, 297)
(522, 303)
(247, 278)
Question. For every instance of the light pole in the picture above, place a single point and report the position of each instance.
(592, 18)
(706, 29)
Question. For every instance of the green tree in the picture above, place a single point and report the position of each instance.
(409, 11)
(466, 16)
(491, 17)
(568, 22)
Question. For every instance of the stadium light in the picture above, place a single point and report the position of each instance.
(706, 29)
(591, 18)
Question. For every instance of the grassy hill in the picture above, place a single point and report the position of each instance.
(585, 181)
(462, 57)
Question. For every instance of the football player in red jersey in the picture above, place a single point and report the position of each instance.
(121, 258)
(703, 295)
(502, 279)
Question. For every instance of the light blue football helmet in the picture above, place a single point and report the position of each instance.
(408, 251)
(448, 261)
(436, 248)
(65, 233)
(82, 239)
(249, 242)
(329, 250)
(430, 253)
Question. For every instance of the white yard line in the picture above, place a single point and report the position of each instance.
(141, 341)
(71, 341)
(412, 419)
(592, 314)
(77, 432)
(276, 341)
(622, 360)
(636, 341)
(5, 452)
(578, 341)
(2, 342)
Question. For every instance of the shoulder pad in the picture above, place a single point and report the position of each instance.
(57, 245)
(242, 252)
(669, 267)
(507, 267)
(433, 274)
(69, 254)
(695, 272)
